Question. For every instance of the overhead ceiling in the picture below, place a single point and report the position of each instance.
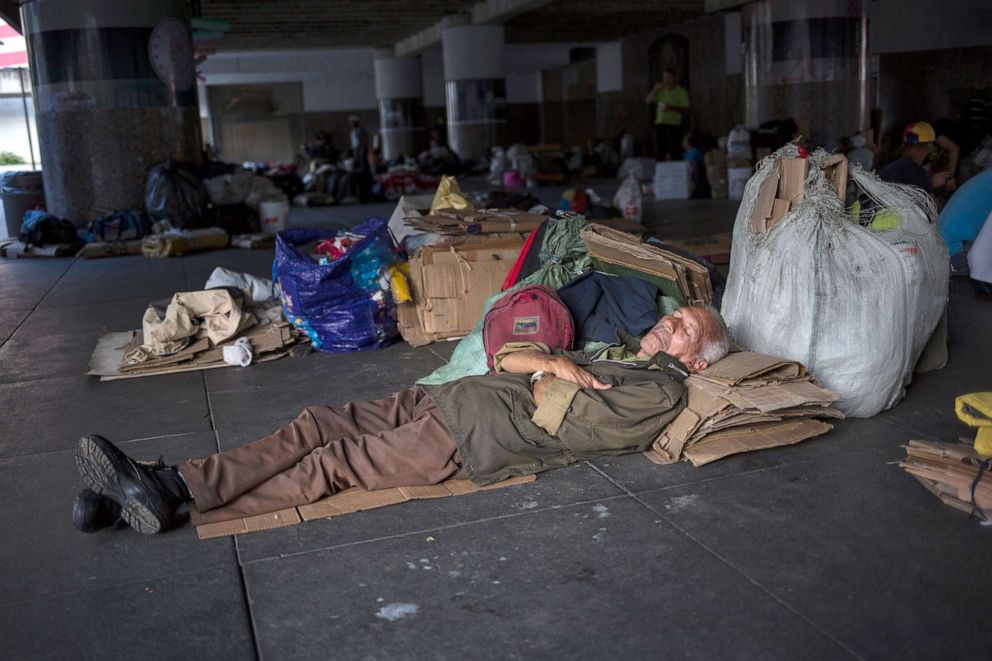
(593, 20)
(324, 23)
(381, 23)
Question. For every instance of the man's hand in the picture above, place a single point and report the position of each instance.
(565, 369)
(939, 179)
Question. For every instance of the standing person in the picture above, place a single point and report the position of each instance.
(671, 106)
(359, 144)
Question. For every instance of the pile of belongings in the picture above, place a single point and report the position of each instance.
(746, 401)
(233, 322)
(623, 254)
(854, 293)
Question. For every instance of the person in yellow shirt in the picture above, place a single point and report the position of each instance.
(671, 105)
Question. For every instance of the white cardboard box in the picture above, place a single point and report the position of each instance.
(736, 180)
(672, 180)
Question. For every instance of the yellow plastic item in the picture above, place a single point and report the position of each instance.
(975, 410)
(449, 196)
(885, 220)
(398, 274)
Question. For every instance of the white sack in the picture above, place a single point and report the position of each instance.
(855, 306)
(259, 288)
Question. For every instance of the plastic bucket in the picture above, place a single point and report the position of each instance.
(274, 215)
(21, 192)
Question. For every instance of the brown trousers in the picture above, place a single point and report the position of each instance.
(394, 442)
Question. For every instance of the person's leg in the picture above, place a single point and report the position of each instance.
(224, 476)
(418, 453)
(659, 142)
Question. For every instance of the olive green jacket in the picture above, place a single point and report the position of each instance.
(501, 432)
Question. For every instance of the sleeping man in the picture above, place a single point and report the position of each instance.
(541, 409)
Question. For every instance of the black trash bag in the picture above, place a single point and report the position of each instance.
(235, 218)
(43, 229)
(288, 182)
(175, 194)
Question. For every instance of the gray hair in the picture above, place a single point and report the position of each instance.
(715, 347)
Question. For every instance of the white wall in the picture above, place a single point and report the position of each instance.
(918, 25)
(333, 80)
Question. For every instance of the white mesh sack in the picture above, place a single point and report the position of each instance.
(853, 304)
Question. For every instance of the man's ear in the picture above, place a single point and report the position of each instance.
(697, 365)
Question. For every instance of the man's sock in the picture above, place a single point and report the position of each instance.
(174, 483)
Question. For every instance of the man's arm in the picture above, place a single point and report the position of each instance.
(528, 362)
(650, 98)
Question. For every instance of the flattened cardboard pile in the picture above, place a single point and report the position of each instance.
(951, 472)
(476, 221)
(269, 341)
(686, 278)
(346, 502)
(449, 284)
(747, 401)
(14, 249)
(715, 247)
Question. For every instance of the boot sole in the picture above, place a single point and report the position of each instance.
(100, 475)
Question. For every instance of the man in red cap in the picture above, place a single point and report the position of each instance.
(917, 140)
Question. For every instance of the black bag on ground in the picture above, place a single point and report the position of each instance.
(42, 229)
(175, 194)
(235, 218)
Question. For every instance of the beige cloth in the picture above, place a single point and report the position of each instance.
(214, 314)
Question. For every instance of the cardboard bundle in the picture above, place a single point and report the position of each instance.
(449, 284)
(476, 221)
(746, 401)
(782, 191)
(951, 471)
(269, 341)
(610, 246)
(177, 243)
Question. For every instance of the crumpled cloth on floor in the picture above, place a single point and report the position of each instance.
(217, 314)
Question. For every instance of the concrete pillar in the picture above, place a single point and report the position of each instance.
(115, 93)
(399, 90)
(475, 88)
(807, 59)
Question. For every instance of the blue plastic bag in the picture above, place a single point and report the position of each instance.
(326, 302)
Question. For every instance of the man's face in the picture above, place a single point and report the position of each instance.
(668, 79)
(681, 335)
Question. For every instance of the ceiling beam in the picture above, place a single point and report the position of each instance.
(10, 12)
(486, 12)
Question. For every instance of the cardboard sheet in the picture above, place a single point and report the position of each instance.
(348, 502)
(744, 365)
(450, 283)
(715, 247)
(615, 247)
(756, 437)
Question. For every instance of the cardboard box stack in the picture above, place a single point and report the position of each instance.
(449, 284)
(951, 472)
(673, 180)
(746, 401)
(476, 221)
(610, 247)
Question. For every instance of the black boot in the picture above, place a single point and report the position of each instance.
(147, 495)
(92, 512)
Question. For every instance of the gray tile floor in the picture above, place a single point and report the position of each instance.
(821, 550)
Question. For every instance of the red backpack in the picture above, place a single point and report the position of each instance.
(531, 314)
